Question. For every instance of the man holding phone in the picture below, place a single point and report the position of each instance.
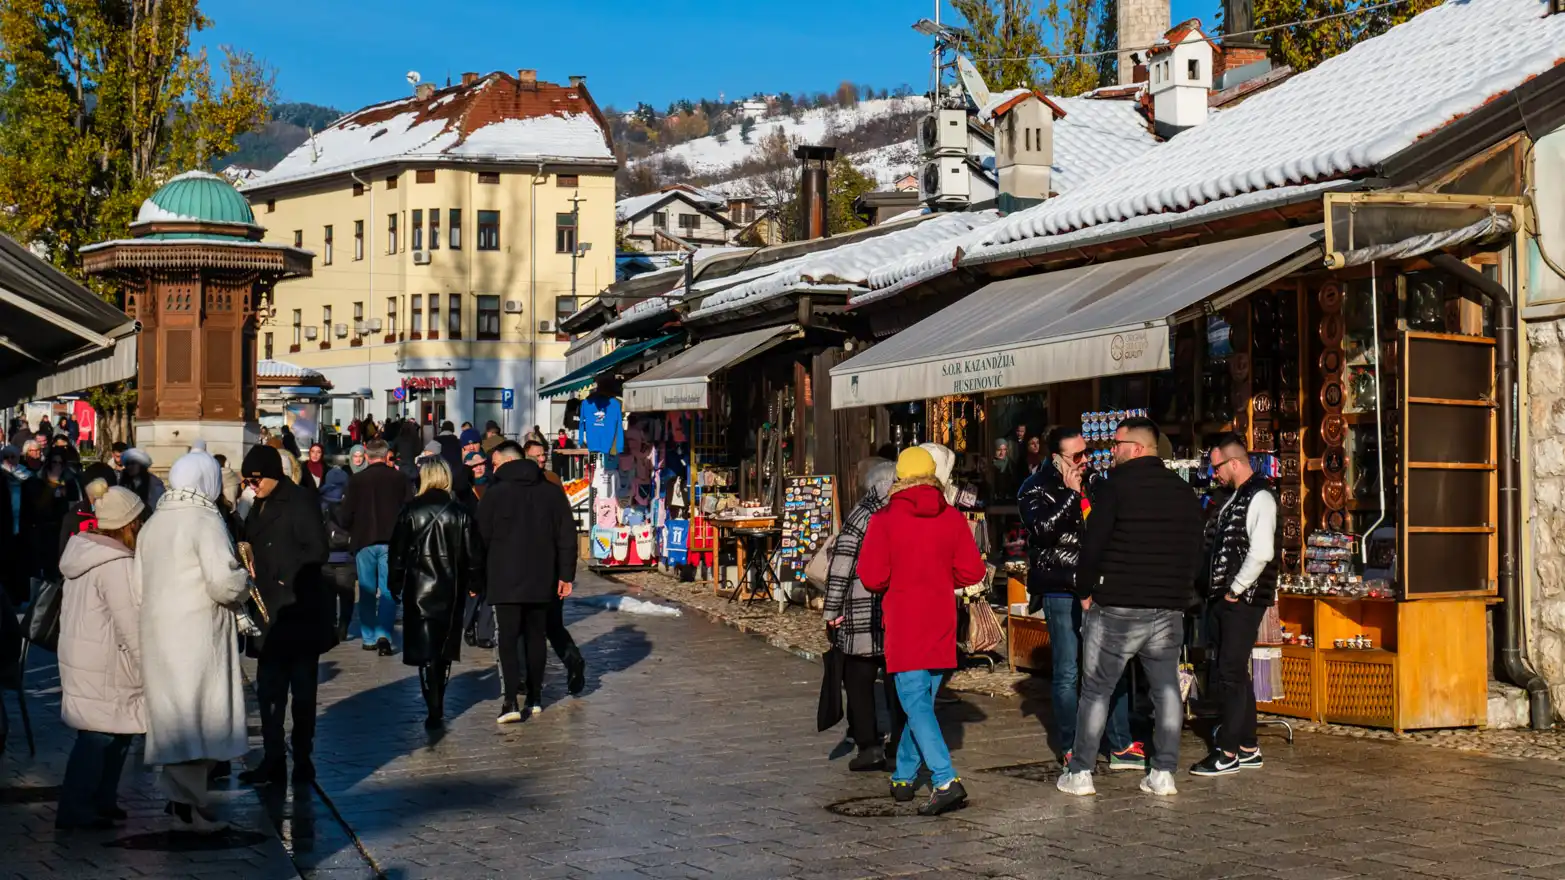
(1055, 502)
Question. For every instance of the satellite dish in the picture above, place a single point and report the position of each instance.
(413, 78)
(972, 81)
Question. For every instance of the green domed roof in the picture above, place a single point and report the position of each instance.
(195, 197)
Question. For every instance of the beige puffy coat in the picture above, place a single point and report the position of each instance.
(100, 637)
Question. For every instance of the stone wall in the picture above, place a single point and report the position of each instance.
(1546, 424)
(1141, 23)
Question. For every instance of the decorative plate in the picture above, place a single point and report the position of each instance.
(1331, 395)
(1334, 494)
(1331, 361)
(1333, 429)
(1330, 297)
(1331, 328)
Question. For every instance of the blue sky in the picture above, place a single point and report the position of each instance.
(348, 53)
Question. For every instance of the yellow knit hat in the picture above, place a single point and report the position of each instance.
(915, 462)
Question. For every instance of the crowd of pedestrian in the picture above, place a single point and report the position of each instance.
(165, 586)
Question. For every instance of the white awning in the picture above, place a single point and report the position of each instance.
(1098, 320)
(681, 381)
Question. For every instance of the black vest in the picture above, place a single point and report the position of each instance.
(1228, 543)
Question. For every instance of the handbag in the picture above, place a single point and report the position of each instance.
(818, 569)
(43, 617)
(829, 711)
(984, 632)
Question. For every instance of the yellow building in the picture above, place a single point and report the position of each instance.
(452, 229)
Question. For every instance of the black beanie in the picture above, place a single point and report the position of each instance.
(262, 463)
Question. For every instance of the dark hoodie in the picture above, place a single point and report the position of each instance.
(918, 550)
(530, 536)
(338, 540)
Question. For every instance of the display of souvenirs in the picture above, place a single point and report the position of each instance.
(809, 517)
(1347, 586)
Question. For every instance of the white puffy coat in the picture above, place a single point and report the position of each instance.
(100, 637)
(191, 580)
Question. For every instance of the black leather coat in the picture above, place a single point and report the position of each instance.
(1052, 514)
(288, 537)
(436, 561)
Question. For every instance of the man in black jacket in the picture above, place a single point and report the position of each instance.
(1135, 581)
(287, 538)
(369, 513)
(530, 541)
(1241, 580)
(1054, 502)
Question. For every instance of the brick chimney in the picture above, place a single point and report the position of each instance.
(1243, 56)
(469, 78)
(527, 76)
(578, 80)
(424, 91)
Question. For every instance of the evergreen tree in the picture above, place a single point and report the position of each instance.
(846, 184)
(1005, 35)
(1106, 42)
(746, 128)
(1073, 24)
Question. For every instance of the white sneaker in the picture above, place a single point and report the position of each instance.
(1159, 782)
(1078, 783)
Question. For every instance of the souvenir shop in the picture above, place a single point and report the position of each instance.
(1364, 393)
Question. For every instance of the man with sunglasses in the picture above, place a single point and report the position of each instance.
(1139, 558)
(1055, 502)
(1241, 580)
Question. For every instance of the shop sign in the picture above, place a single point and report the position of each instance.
(983, 373)
(1129, 352)
(428, 383)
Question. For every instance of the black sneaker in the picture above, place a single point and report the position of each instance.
(868, 758)
(384, 647)
(265, 774)
(369, 646)
(509, 714)
(944, 799)
(904, 792)
(1216, 764)
(576, 678)
(1250, 760)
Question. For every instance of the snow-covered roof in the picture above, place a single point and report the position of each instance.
(494, 119)
(846, 267)
(274, 369)
(1342, 118)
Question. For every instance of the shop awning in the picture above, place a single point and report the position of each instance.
(681, 382)
(1098, 320)
(578, 379)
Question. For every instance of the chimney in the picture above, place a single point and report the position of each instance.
(578, 80)
(469, 78)
(1023, 151)
(1243, 56)
(1141, 23)
(813, 191)
(1181, 79)
(424, 91)
(527, 76)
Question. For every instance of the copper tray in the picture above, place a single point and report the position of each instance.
(1290, 498)
(1334, 493)
(1292, 531)
(1335, 521)
(1334, 462)
(1333, 429)
(1331, 329)
(1330, 297)
(1332, 395)
(1331, 361)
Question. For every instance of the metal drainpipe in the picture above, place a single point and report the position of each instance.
(1513, 655)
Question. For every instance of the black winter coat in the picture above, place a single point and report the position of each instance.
(529, 535)
(374, 498)
(436, 561)
(288, 539)
(1051, 512)
(1142, 547)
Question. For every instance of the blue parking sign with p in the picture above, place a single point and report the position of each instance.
(507, 398)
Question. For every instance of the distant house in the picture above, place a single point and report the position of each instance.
(656, 221)
(906, 183)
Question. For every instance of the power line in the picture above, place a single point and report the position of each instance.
(1250, 33)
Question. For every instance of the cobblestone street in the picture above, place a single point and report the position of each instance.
(693, 754)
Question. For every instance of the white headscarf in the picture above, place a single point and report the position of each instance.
(945, 463)
(197, 472)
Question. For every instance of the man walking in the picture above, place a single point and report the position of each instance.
(369, 513)
(530, 536)
(1055, 502)
(1138, 565)
(1241, 579)
(559, 637)
(288, 539)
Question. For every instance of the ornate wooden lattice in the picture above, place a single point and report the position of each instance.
(1298, 687)
(1359, 692)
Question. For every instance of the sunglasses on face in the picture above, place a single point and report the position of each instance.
(1078, 456)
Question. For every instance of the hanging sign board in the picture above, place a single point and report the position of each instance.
(809, 517)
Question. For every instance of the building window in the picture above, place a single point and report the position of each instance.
(298, 328)
(326, 256)
(488, 230)
(358, 189)
(298, 238)
(488, 177)
(325, 322)
(266, 344)
(659, 219)
(488, 318)
(391, 317)
(454, 315)
(434, 229)
(271, 205)
(565, 233)
(358, 239)
(564, 307)
(434, 316)
(424, 175)
(568, 180)
(358, 318)
(1194, 68)
(487, 406)
(391, 182)
(689, 222)
(391, 233)
(418, 229)
(456, 228)
(416, 329)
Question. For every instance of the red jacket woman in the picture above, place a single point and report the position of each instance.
(918, 551)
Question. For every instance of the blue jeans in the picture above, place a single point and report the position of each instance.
(922, 741)
(1063, 617)
(92, 776)
(377, 612)
(1110, 638)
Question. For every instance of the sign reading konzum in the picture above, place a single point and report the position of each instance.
(1139, 349)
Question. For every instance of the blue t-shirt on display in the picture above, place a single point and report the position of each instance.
(602, 425)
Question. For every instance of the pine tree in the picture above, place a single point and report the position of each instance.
(746, 128)
(1005, 34)
(845, 184)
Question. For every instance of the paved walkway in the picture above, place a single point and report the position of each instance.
(693, 754)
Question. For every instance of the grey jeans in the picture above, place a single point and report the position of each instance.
(1110, 637)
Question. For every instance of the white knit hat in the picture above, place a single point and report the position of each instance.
(117, 508)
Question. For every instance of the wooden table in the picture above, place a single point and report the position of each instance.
(725, 532)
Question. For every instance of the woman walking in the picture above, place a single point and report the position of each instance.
(435, 563)
(191, 581)
(100, 661)
(854, 616)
